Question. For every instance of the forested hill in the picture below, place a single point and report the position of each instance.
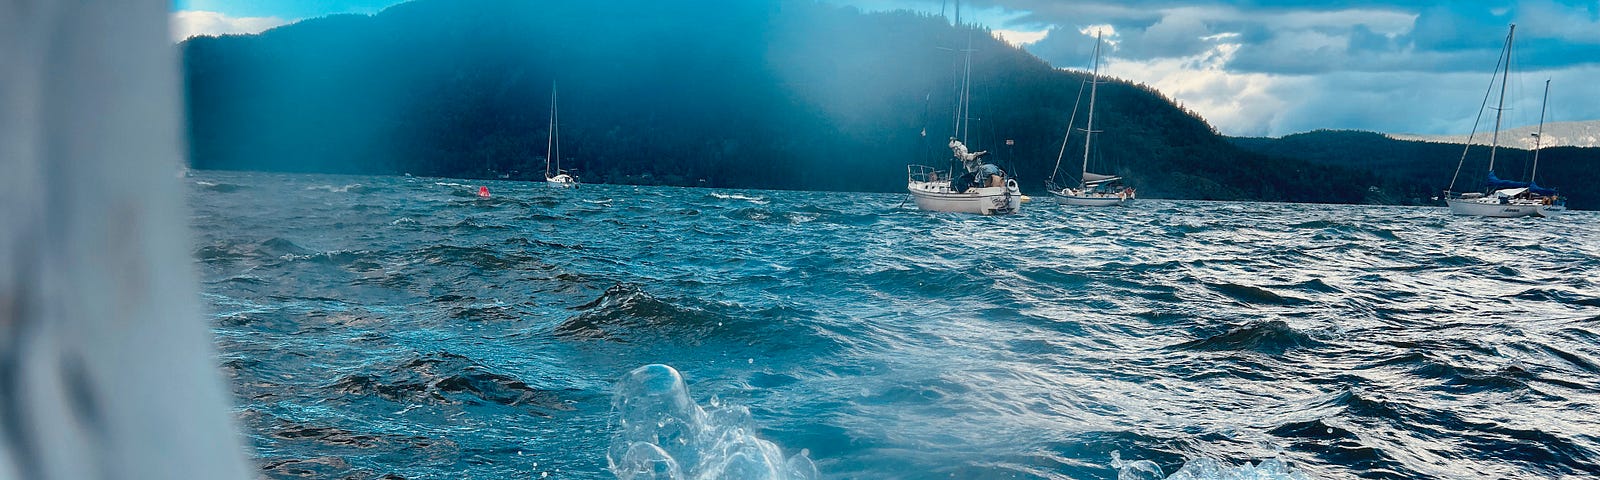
(1412, 172)
(732, 93)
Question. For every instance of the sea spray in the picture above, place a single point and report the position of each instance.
(1206, 469)
(663, 434)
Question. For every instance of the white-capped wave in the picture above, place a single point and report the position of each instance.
(735, 196)
(333, 189)
(1206, 469)
(665, 435)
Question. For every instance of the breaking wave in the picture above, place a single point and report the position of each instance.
(663, 434)
(1206, 469)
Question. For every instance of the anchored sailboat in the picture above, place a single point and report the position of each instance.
(1093, 189)
(983, 189)
(1502, 198)
(556, 177)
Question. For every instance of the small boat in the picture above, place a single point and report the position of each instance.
(983, 189)
(1503, 198)
(1093, 189)
(1504, 203)
(555, 176)
(939, 194)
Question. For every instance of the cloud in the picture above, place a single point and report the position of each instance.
(1172, 36)
(1270, 41)
(1237, 103)
(1440, 103)
(189, 23)
(1021, 37)
(1064, 48)
(1246, 103)
(1274, 68)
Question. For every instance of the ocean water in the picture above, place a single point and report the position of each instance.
(396, 327)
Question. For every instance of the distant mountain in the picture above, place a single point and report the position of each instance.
(1556, 134)
(790, 94)
(1413, 172)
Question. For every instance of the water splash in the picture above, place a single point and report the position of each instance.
(758, 200)
(1206, 469)
(664, 434)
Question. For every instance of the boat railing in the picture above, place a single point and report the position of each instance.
(923, 173)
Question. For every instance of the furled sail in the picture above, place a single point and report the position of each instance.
(1498, 183)
(1096, 178)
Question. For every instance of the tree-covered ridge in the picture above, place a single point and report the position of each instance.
(758, 94)
(1414, 172)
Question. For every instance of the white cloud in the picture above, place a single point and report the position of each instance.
(1575, 23)
(1236, 103)
(1021, 37)
(189, 23)
(1262, 104)
(1106, 29)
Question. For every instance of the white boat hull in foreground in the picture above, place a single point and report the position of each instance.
(1491, 207)
(939, 197)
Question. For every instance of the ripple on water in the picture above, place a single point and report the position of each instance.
(1269, 337)
(378, 326)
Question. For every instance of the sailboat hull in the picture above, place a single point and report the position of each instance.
(1091, 200)
(1491, 207)
(554, 183)
(561, 180)
(938, 197)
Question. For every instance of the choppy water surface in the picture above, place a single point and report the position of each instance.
(385, 325)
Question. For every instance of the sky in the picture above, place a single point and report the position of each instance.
(1251, 68)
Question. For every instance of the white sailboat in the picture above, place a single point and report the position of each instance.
(1093, 189)
(935, 194)
(1500, 198)
(555, 176)
(984, 189)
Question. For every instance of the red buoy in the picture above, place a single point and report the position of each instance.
(483, 192)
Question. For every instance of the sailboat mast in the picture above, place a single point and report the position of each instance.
(963, 111)
(1539, 137)
(1088, 129)
(550, 144)
(555, 133)
(1494, 142)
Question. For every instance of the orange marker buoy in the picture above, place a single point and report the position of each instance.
(483, 192)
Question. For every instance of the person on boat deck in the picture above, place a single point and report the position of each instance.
(969, 160)
(978, 173)
(990, 175)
